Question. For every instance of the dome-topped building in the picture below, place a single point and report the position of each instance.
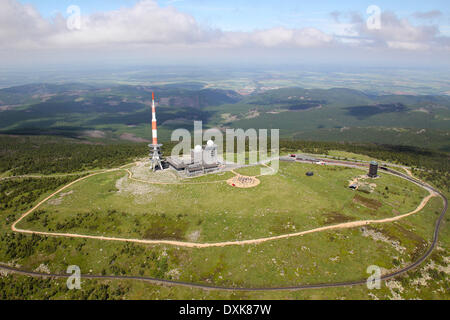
(202, 160)
(197, 154)
(210, 153)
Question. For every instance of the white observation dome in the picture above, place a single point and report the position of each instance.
(198, 148)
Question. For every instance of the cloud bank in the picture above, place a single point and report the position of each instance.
(146, 26)
(396, 33)
(428, 15)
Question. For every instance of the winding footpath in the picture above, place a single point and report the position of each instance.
(433, 193)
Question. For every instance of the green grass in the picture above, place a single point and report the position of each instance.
(320, 257)
(284, 203)
(218, 212)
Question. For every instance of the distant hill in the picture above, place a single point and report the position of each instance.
(342, 114)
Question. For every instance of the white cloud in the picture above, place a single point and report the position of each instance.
(336, 16)
(146, 23)
(147, 27)
(273, 37)
(283, 37)
(21, 25)
(405, 45)
(428, 14)
(399, 33)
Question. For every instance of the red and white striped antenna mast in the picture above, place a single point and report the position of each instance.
(155, 148)
(154, 124)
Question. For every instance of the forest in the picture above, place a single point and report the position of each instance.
(28, 154)
(21, 155)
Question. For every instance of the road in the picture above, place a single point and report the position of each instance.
(403, 270)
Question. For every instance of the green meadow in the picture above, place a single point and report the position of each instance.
(111, 204)
(197, 210)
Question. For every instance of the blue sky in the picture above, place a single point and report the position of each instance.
(248, 15)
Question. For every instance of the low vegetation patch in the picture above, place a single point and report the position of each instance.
(166, 228)
(336, 217)
(369, 203)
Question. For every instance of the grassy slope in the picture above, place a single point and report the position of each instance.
(302, 260)
(218, 212)
(207, 267)
(321, 257)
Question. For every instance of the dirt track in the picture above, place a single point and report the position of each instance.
(346, 225)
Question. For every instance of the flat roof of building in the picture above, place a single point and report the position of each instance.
(305, 157)
(178, 163)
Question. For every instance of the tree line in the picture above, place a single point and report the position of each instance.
(49, 155)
